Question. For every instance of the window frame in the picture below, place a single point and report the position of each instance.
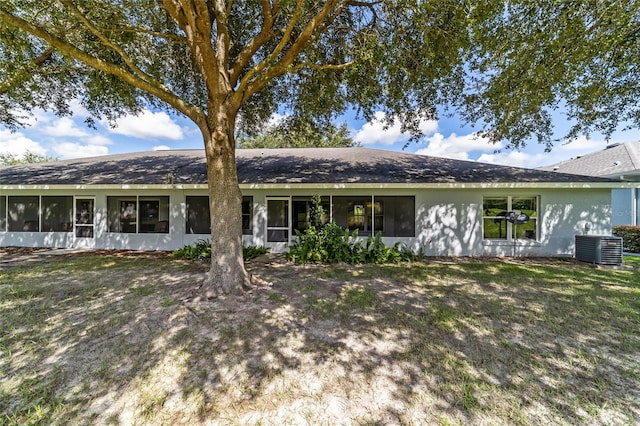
(247, 216)
(274, 228)
(84, 222)
(134, 225)
(67, 226)
(3, 213)
(247, 201)
(377, 209)
(191, 227)
(511, 230)
(25, 222)
(385, 221)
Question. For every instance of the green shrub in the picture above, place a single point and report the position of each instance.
(333, 244)
(202, 251)
(251, 252)
(630, 237)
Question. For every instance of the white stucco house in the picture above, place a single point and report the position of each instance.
(158, 201)
(617, 161)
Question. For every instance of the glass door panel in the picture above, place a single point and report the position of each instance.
(84, 217)
(278, 220)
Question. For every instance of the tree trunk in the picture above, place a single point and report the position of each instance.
(227, 274)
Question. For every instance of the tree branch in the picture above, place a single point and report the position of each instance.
(133, 29)
(27, 69)
(194, 19)
(273, 55)
(265, 34)
(255, 79)
(152, 87)
(223, 41)
(329, 67)
(105, 40)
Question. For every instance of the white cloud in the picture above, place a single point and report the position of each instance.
(374, 131)
(67, 150)
(457, 147)
(582, 145)
(38, 117)
(65, 127)
(148, 125)
(98, 140)
(513, 158)
(460, 147)
(17, 144)
(161, 148)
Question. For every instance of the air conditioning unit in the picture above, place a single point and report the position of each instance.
(600, 249)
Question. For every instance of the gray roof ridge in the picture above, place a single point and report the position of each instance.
(592, 155)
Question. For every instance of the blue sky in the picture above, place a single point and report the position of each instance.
(69, 137)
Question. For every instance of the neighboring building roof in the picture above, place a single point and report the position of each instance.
(614, 161)
(276, 166)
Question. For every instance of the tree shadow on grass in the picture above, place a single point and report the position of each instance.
(442, 341)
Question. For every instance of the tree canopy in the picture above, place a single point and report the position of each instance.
(28, 157)
(502, 65)
(290, 133)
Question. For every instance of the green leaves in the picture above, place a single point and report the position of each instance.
(293, 132)
(504, 66)
(538, 56)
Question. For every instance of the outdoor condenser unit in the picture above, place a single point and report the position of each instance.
(600, 249)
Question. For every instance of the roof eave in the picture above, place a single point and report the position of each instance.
(335, 185)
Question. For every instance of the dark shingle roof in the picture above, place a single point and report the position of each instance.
(263, 166)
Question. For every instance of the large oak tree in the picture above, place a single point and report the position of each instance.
(502, 65)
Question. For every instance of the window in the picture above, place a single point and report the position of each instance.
(302, 207)
(144, 215)
(353, 213)
(499, 213)
(278, 220)
(395, 216)
(247, 215)
(84, 217)
(3, 214)
(122, 215)
(57, 214)
(528, 206)
(23, 214)
(154, 215)
(198, 215)
(392, 216)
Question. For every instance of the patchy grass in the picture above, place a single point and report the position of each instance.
(121, 340)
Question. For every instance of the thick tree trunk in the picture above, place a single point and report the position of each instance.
(227, 274)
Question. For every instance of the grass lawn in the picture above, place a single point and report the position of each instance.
(121, 340)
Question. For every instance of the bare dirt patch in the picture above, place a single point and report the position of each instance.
(119, 338)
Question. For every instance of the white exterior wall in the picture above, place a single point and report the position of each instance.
(448, 221)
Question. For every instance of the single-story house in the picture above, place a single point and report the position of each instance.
(158, 201)
(617, 161)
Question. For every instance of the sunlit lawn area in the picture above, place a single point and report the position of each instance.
(121, 340)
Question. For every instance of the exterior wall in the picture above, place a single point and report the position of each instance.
(448, 221)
